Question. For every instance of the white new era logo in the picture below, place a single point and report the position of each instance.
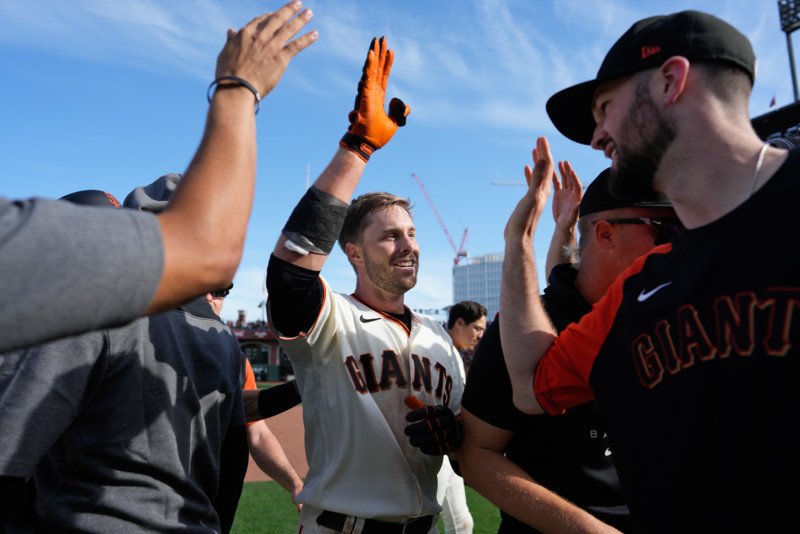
(644, 295)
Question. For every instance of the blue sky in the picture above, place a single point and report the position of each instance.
(111, 95)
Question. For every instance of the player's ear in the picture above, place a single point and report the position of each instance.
(353, 252)
(604, 234)
(671, 78)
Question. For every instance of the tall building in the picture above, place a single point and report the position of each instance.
(478, 279)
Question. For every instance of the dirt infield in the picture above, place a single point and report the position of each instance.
(288, 428)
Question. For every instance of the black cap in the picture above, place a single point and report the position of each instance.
(597, 197)
(92, 197)
(648, 43)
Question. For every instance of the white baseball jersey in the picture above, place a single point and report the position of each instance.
(354, 368)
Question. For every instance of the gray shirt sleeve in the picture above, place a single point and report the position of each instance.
(67, 269)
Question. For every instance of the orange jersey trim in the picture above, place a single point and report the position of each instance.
(386, 315)
(562, 376)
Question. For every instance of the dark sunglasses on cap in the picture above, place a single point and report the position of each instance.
(222, 292)
(666, 228)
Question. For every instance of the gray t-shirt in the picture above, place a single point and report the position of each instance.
(68, 269)
(122, 429)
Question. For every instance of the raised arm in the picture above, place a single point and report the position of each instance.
(567, 194)
(525, 331)
(205, 224)
(309, 235)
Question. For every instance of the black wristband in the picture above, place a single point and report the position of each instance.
(238, 81)
(278, 399)
(316, 221)
(359, 145)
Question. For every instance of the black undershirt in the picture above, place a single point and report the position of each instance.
(297, 293)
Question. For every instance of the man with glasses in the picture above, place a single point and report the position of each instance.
(562, 463)
(692, 354)
(132, 430)
(264, 447)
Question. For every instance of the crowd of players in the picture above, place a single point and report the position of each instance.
(649, 388)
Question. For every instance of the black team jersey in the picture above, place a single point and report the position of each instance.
(694, 359)
(568, 454)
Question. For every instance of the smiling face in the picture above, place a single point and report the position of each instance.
(389, 254)
(632, 132)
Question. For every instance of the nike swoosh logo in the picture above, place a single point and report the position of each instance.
(608, 452)
(364, 320)
(644, 295)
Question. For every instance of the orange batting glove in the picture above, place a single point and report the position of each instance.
(370, 126)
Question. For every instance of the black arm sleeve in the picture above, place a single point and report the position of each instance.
(232, 469)
(278, 399)
(295, 296)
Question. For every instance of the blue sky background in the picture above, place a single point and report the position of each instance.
(111, 95)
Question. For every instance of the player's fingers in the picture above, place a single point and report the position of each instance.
(420, 431)
(286, 32)
(386, 66)
(556, 182)
(272, 23)
(543, 167)
(398, 111)
(578, 184)
(563, 167)
(420, 414)
(301, 43)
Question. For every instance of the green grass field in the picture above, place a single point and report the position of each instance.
(265, 507)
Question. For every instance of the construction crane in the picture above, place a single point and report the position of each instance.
(461, 251)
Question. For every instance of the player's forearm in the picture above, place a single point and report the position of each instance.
(512, 490)
(562, 237)
(205, 224)
(525, 330)
(342, 174)
(270, 457)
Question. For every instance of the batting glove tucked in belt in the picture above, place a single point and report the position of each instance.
(435, 430)
(370, 126)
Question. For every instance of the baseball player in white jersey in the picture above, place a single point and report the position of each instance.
(359, 357)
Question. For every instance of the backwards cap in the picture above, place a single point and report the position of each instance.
(597, 197)
(648, 43)
(153, 197)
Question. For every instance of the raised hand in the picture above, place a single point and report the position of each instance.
(567, 194)
(370, 126)
(523, 220)
(260, 52)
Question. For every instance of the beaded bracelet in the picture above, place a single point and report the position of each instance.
(239, 81)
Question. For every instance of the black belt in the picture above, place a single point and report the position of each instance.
(417, 525)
